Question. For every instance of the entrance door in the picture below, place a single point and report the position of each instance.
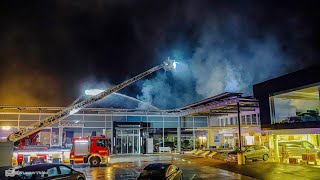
(127, 141)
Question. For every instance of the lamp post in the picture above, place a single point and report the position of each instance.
(241, 159)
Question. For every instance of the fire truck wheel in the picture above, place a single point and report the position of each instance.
(95, 161)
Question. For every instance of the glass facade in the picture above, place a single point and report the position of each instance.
(166, 131)
(298, 106)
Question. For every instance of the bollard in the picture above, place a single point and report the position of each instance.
(241, 159)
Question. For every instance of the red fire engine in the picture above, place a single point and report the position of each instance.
(28, 150)
(91, 150)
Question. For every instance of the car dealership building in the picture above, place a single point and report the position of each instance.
(210, 123)
(289, 111)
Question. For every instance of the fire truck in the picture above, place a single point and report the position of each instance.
(91, 150)
(28, 151)
(95, 154)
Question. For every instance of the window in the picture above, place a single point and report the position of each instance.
(25, 175)
(229, 121)
(235, 120)
(101, 142)
(221, 122)
(257, 147)
(243, 120)
(65, 170)
(306, 144)
(249, 149)
(298, 106)
(254, 119)
(248, 119)
(52, 172)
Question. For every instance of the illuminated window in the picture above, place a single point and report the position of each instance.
(299, 106)
(243, 120)
(254, 119)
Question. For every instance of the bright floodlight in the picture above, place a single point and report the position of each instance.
(93, 92)
(169, 64)
(6, 128)
(174, 64)
(74, 111)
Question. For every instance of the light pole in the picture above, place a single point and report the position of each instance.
(241, 159)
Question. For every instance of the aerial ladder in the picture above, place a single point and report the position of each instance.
(38, 126)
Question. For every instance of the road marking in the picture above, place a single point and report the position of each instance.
(193, 176)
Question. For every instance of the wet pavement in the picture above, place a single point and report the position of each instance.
(263, 170)
(129, 167)
(196, 167)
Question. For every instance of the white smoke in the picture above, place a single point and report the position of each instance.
(218, 67)
(224, 61)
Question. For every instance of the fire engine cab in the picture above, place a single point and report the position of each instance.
(91, 150)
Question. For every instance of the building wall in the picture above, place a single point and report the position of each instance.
(223, 130)
(86, 123)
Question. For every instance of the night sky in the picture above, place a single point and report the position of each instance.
(51, 51)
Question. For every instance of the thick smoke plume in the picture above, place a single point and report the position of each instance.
(227, 58)
(47, 52)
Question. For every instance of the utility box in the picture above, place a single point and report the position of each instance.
(149, 146)
(6, 153)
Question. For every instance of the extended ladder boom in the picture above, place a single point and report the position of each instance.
(37, 126)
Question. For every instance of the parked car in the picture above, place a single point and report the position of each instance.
(297, 147)
(166, 144)
(160, 171)
(47, 171)
(250, 152)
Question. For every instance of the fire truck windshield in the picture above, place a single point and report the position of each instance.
(101, 142)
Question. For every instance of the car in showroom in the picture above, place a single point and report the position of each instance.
(303, 117)
(166, 144)
(297, 148)
(46, 171)
(251, 152)
(160, 171)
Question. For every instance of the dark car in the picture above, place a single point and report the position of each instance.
(161, 171)
(47, 171)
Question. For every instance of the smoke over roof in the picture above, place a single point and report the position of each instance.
(50, 49)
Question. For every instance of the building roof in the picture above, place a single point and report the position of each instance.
(225, 103)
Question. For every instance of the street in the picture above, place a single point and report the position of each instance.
(129, 167)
